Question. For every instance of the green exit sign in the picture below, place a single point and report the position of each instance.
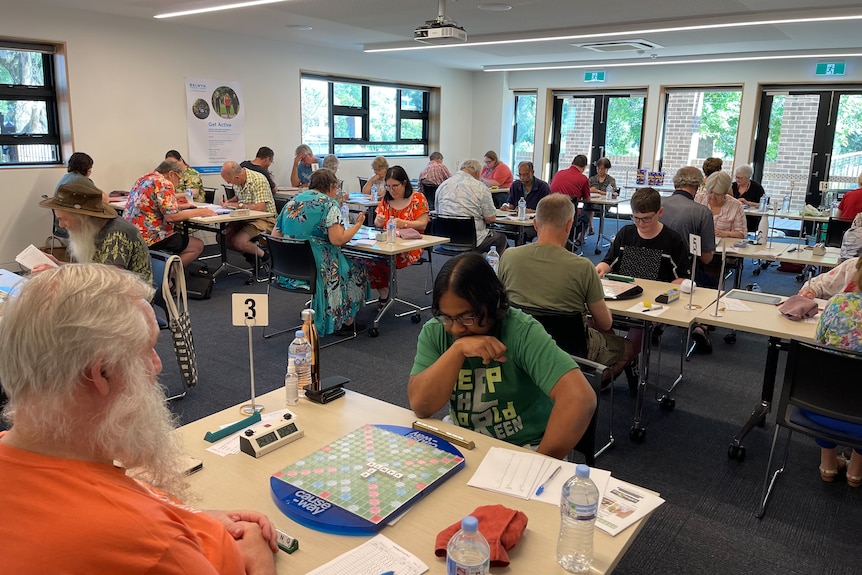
(830, 69)
(600, 76)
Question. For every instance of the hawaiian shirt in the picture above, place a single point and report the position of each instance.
(150, 200)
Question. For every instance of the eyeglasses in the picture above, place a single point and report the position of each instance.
(389, 187)
(466, 320)
(644, 219)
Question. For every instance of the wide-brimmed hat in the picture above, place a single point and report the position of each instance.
(80, 199)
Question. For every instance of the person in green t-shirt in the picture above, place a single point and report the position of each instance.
(500, 371)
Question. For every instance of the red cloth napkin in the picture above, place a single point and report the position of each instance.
(501, 526)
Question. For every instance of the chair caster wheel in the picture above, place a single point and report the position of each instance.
(730, 338)
(756, 271)
(800, 277)
(637, 434)
(373, 332)
(736, 452)
(415, 318)
(598, 251)
(249, 281)
(667, 403)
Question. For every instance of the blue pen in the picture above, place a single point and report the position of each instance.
(388, 573)
(548, 480)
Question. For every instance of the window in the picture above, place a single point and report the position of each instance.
(524, 130)
(29, 132)
(354, 119)
(699, 124)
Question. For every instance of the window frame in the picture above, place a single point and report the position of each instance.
(47, 94)
(363, 112)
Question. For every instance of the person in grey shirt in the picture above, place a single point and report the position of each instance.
(684, 216)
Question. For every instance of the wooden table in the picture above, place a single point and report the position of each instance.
(775, 252)
(507, 218)
(677, 315)
(764, 319)
(242, 482)
(220, 222)
(385, 250)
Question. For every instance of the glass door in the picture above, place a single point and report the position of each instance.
(599, 125)
(809, 143)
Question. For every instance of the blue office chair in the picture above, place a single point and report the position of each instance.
(838, 396)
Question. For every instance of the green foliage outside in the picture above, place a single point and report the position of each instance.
(625, 124)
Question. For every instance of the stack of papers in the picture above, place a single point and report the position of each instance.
(520, 473)
(375, 556)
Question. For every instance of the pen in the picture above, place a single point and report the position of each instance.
(388, 573)
(548, 480)
(654, 307)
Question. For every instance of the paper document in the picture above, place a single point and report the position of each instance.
(9, 283)
(519, 474)
(375, 556)
(32, 257)
(655, 309)
(622, 504)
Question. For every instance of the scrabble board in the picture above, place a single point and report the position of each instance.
(354, 485)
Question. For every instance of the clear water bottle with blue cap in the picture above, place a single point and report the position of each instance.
(522, 209)
(493, 258)
(374, 193)
(468, 552)
(579, 503)
(190, 196)
(345, 214)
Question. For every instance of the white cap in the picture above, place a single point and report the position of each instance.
(291, 365)
(687, 286)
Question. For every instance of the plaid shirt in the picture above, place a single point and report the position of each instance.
(255, 191)
(435, 173)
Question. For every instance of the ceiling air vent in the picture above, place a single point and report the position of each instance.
(619, 45)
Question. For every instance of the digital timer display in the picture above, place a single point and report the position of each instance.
(287, 430)
(265, 440)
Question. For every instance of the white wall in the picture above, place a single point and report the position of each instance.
(495, 95)
(128, 102)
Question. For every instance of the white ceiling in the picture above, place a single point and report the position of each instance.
(354, 24)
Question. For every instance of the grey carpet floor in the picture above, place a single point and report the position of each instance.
(707, 524)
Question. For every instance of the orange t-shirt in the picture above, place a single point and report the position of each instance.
(68, 516)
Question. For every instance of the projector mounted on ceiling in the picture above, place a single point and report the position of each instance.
(440, 31)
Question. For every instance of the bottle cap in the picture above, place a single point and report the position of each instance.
(300, 333)
(307, 314)
(582, 470)
(291, 365)
(470, 524)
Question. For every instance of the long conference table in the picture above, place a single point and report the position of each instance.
(365, 243)
(675, 314)
(762, 319)
(240, 481)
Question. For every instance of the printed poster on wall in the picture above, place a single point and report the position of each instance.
(216, 124)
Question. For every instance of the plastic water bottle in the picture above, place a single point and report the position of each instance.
(300, 352)
(190, 196)
(345, 214)
(834, 212)
(522, 209)
(578, 505)
(390, 230)
(310, 329)
(493, 258)
(785, 203)
(764, 203)
(468, 553)
(291, 384)
(374, 193)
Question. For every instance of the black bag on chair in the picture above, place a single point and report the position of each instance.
(180, 324)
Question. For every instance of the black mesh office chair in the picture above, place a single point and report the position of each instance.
(569, 332)
(209, 195)
(430, 191)
(362, 182)
(835, 231)
(228, 191)
(838, 396)
(293, 259)
(461, 232)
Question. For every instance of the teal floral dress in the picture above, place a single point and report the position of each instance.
(342, 285)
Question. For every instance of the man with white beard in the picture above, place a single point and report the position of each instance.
(90, 471)
(96, 234)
